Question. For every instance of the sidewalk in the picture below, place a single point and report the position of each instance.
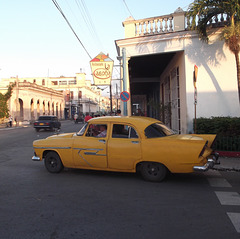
(4, 126)
(228, 162)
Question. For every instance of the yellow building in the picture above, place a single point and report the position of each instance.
(60, 96)
(30, 100)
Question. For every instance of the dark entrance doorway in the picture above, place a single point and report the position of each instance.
(144, 77)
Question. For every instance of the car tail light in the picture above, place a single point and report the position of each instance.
(47, 123)
(35, 123)
(205, 146)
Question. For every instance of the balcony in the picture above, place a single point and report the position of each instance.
(174, 22)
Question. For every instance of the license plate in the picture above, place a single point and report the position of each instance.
(41, 124)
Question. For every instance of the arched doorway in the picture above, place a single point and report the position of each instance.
(57, 109)
(38, 109)
(20, 110)
(48, 108)
(32, 110)
(53, 108)
(43, 108)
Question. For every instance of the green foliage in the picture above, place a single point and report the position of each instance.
(206, 10)
(3, 102)
(227, 130)
(222, 126)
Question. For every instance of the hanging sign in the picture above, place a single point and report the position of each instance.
(195, 73)
(102, 67)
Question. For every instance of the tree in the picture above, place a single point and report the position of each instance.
(3, 101)
(205, 10)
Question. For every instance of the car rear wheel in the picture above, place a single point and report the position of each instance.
(152, 171)
(53, 162)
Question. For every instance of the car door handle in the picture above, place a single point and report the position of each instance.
(135, 142)
(102, 141)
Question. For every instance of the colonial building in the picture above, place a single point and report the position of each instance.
(60, 96)
(30, 100)
(159, 57)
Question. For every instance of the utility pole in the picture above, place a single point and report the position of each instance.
(195, 72)
(110, 89)
(125, 113)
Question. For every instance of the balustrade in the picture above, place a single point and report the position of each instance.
(156, 25)
(167, 24)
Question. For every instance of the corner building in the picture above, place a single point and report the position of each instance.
(161, 53)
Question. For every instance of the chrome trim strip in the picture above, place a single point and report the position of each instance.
(92, 153)
(52, 147)
(87, 149)
(89, 153)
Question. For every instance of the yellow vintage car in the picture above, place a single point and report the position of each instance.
(127, 144)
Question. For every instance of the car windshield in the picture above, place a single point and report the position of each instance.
(157, 130)
(82, 130)
(44, 118)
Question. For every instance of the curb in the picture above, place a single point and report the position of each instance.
(229, 154)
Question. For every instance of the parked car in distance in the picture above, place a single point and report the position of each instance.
(127, 144)
(47, 122)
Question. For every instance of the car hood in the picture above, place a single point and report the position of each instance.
(67, 135)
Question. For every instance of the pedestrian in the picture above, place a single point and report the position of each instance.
(15, 120)
(139, 112)
(119, 113)
(87, 117)
(10, 121)
(75, 118)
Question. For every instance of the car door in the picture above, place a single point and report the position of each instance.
(124, 147)
(90, 150)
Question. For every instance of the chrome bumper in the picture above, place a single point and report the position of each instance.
(36, 158)
(212, 160)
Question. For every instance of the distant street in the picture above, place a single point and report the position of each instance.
(88, 204)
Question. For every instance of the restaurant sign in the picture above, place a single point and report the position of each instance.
(102, 67)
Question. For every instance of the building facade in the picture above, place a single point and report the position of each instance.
(160, 54)
(60, 96)
(29, 101)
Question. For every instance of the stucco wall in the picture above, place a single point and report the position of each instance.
(216, 82)
(217, 78)
(26, 96)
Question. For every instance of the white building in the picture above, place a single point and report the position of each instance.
(160, 56)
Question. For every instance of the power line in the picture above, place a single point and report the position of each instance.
(60, 10)
(127, 8)
(88, 20)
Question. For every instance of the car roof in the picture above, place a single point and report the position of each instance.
(47, 116)
(139, 121)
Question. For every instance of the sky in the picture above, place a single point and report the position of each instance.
(36, 41)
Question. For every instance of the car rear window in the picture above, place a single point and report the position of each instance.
(157, 130)
(44, 118)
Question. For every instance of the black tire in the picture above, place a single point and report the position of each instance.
(53, 162)
(37, 129)
(154, 172)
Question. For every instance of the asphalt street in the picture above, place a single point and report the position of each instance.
(91, 204)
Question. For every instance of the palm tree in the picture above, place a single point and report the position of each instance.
(205, 10)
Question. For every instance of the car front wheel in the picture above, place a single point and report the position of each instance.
(53, 162)
(152, 171)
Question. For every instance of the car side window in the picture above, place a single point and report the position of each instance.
(97, 130)
(123, 131)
